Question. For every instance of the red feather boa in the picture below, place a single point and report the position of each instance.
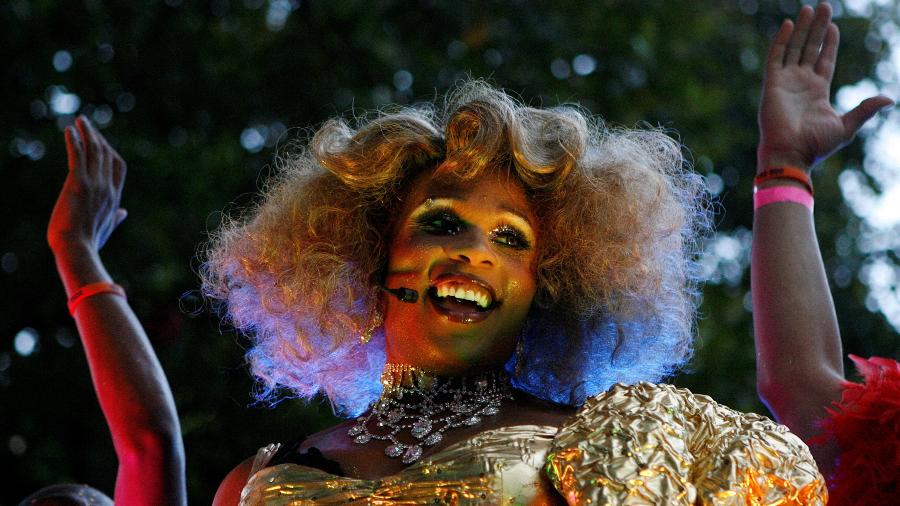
(866, 426)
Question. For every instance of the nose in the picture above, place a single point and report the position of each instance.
(472, 249)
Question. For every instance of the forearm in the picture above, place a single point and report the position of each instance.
(130, 384)
(799, 356)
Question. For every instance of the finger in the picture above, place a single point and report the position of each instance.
(115, 188)
(854, 119)
(89, 144)
(82, 155)
(120, 169)
(104, 153)
(816, 35)
(775, 59)
(825, 64)
(109, 154)
(108, 163)
(798, 39)
(73, 150)
(101, 139)
(117, 170)
(110, 226)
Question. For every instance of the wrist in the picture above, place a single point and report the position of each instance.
(767, 159)
(781, 182)
(65, 245)
(79, 265)
(762, 166)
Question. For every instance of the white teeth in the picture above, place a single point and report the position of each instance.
(477, 296)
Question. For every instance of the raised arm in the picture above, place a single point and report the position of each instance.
(799, 357)
(130, 384)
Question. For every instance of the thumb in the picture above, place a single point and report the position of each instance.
(105, 232)
(121, 214)
(854, 119)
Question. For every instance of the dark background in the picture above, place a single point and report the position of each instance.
(198, 97)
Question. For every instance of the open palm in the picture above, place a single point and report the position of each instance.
(798, 125)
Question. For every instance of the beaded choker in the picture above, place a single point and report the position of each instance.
(424, 406)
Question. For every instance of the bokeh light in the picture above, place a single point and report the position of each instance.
(252, 139)
(456, 49)
(584, 64)
(61, 101)
(560, 68)
(278, 12)
(64, 337)
(26, 341)
(403, 80)
(105, 52)
(493, 57)
(17, 445)
(62, 60)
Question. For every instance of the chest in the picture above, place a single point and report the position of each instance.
(497, 466)
(369, 461)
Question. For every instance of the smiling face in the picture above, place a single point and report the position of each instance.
(469, 250)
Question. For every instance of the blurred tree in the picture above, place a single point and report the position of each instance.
(199, 97)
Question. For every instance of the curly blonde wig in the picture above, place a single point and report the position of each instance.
(620, 215)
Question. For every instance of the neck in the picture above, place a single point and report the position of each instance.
(399, 378)
(427, 405)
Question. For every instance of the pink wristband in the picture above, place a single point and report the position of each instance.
(766, 196)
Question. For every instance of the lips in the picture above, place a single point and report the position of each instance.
(462, 298)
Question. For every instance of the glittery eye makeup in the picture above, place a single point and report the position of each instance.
(443, 221)
(510, 236)
(439, 222)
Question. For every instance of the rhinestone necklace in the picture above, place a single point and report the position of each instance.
(426, 405)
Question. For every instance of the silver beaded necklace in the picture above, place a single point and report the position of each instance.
(427, 406)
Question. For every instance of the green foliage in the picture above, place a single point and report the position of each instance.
(176, 84)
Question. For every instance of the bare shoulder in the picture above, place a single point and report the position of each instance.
(532, 410)
(329, 438)
(229, 492)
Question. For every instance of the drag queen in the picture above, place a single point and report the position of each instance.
(488, 291)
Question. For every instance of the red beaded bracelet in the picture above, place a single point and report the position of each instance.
(90, 290)
(785, 172)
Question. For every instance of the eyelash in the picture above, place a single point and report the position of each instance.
(518, 238)
(441, 222)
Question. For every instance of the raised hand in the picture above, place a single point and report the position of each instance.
(87, 210)
(798, 125)
(128, 378)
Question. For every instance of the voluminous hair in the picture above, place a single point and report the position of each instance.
(620, 216)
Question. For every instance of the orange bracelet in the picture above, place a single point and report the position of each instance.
(785, 172)
(90, 290)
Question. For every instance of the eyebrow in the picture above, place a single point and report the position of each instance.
(515, 212)
(438, 200)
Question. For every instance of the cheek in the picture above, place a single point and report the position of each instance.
(523, 286)
(406, 252)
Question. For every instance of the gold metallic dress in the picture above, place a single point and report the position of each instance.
(637, 444)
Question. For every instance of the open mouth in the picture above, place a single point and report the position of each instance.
(462, 299)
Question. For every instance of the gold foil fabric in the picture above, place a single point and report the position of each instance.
(657, 444)
(640, 444)
(501, 466)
